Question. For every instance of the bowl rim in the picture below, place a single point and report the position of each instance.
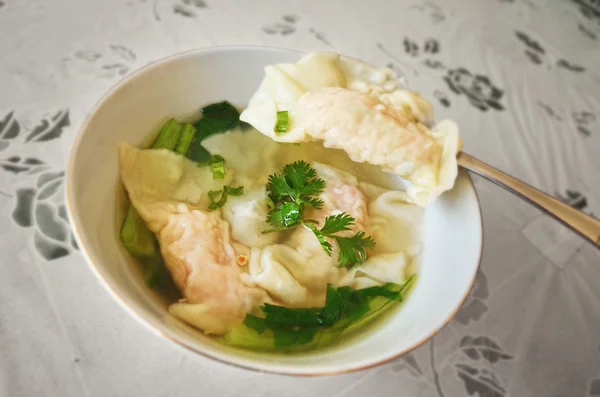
(74, 220)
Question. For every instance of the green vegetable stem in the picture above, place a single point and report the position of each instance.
(168, 136)
(188, 132)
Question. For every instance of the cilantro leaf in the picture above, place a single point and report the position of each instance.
(275, 218)
(337, 223)
(298, 173)
(327, 247)
(278, 187)
(297, 182)
(353, 249)
(290, 191)
(314, 202)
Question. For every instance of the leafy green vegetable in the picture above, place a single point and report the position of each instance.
(216, 119)
(168, 135)
(218, 198)
(185, 140)
(156, 274)
(281, 124)
(136, 237)
(197, 152)
(279, 316)
(256, 323)
(283, 329)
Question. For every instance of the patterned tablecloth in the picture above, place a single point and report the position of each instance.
(522, 78)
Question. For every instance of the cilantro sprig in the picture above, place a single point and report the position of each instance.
(352, 249)
(297, 187)
(290, 191)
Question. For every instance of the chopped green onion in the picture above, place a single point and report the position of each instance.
(218, 198)
(185, 140)
(168, 136)
(282, 122)
(217, 167)
(234, 191)
(215, 195)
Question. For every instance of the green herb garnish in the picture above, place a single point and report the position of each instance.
(352, 249)
(289, 192)
(297, 187)
(281, 124)
(218, 198)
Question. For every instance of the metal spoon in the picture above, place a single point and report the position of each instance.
(584, 225)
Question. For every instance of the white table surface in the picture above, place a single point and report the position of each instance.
(522, 78)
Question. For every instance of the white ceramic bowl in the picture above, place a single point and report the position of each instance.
(180, 85)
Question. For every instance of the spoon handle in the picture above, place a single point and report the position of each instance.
(585, 225)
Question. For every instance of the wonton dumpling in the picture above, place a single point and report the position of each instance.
(351, 105)
(247, 216)
(395, 224)
(268, 270)
(194, 244)
(385, 268)
(198, 252)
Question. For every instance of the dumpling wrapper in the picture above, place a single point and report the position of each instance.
(169, 192)
(247, 216)
(351, 105)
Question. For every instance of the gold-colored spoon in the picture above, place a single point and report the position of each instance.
(587, 226)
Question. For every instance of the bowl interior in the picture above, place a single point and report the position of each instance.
(180, 85)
